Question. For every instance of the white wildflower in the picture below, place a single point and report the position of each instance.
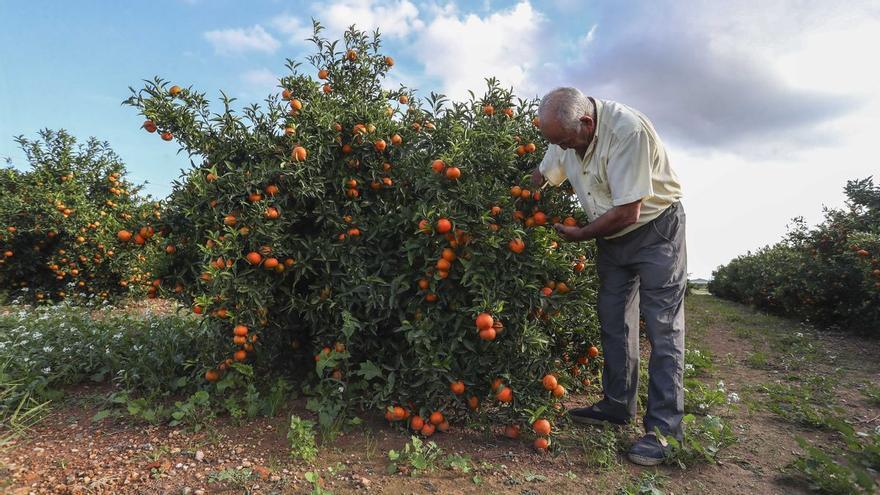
(732, 398)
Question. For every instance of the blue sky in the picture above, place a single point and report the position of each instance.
(765, 111)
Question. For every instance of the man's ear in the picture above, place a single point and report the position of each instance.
(587, 120)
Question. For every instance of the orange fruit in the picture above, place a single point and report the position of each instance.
(541, 427)
(327, 89)
(505, 395)
(272, 213)
(431, 297)
(212, 375)
(396, 140)
(123, 235)
(240, 331)
(427, 430)
(549, 382)
(593, 351)
(541, 444)
(511, 431)
(299, 154)
(457, 388)
(488, 334)
(546, 292)
(351, 55)
(473, 402)
(240, 355)
(416, 423)
(424, 284)
(270, 263)
(437, 166)
(515, 191)
(379, 144)
(488, 110)
(443, 265)
(569, 222)
(530, 148)
(453, 173)
(167, 136)
(495, 211)
(323, 74)
(517, 246)
(559, 391)
(149, 126)
(496, 384)
(254, 258)
(484, 321)
(443, 226)
(389, 61)
(436, 418)
(448, 254)
(520, 150)
(444, 426)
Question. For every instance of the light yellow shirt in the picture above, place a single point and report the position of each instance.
(625, 162)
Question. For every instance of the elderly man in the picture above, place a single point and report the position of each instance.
(618, 167)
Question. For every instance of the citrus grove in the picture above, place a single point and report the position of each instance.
(828, 274)
(63, 221)
(386, 249)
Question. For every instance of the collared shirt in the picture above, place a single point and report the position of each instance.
(625, 162)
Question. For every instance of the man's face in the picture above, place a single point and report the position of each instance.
(565, 138)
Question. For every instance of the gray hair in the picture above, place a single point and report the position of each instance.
(565, 106)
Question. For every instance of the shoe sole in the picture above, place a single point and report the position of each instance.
(644, 461)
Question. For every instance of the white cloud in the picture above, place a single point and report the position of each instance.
(462, 51)
(259, 83)
(394, 19)
(295, 28)
(237, 41)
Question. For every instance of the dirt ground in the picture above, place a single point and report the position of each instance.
(68, 453)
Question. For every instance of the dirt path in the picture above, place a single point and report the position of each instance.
(68, 453)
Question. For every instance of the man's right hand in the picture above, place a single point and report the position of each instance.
(537, 178)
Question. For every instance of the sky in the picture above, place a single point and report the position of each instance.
(766, 108)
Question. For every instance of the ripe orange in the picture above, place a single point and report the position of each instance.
(212, 375)
(238, 340)
(240, 331)
(593, 351)
(149, 126)
(240, 355)
(448, 254)
(489, 110)
(457, 388)
(443, 265)
(505, 395)
(863, 253)
(254, 258)
(424, 284)
(520, 150)
(511, 431)
(546, 292)
(495, 211)
(396, 140)
(549, 382)
(436, 418)
(517, 246)
(389, 61)
(453, 173)
(515, 191)
(443, 226)
(484, 321)
(416, 423)
(541, 427)
(270, 263)
(379, 144)
(496, 384)
(444, 426)
(540, 218)
(473, 402)
(323, 74)
(351, 55)
(427, 430)
(431, 297)
(530, 148)
(559, 391)
(299, 154)
(437, 166)
(569, 222)
(167, 136)
(541, 444)
(488, 334)
(123, 235)
(327, 89)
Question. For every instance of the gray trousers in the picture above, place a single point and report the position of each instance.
(647, 269)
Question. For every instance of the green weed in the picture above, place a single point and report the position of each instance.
(301, 438)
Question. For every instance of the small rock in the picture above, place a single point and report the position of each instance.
(200, 456)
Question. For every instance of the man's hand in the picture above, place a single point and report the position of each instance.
(572, 234)
(537, 178)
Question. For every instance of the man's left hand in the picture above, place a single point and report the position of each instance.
(572, 234)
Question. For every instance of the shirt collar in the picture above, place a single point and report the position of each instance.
(598, 105)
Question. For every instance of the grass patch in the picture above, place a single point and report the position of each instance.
(808, 403)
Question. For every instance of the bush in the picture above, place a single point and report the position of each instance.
(60, 221)
(829, 274)
(360, 240)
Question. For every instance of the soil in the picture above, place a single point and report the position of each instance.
(68, 453)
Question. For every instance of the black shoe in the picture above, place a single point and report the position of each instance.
(593, 415)
(648, 451)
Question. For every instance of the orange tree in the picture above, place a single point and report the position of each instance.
(828, 274)
(61, 219)
(388, 245)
